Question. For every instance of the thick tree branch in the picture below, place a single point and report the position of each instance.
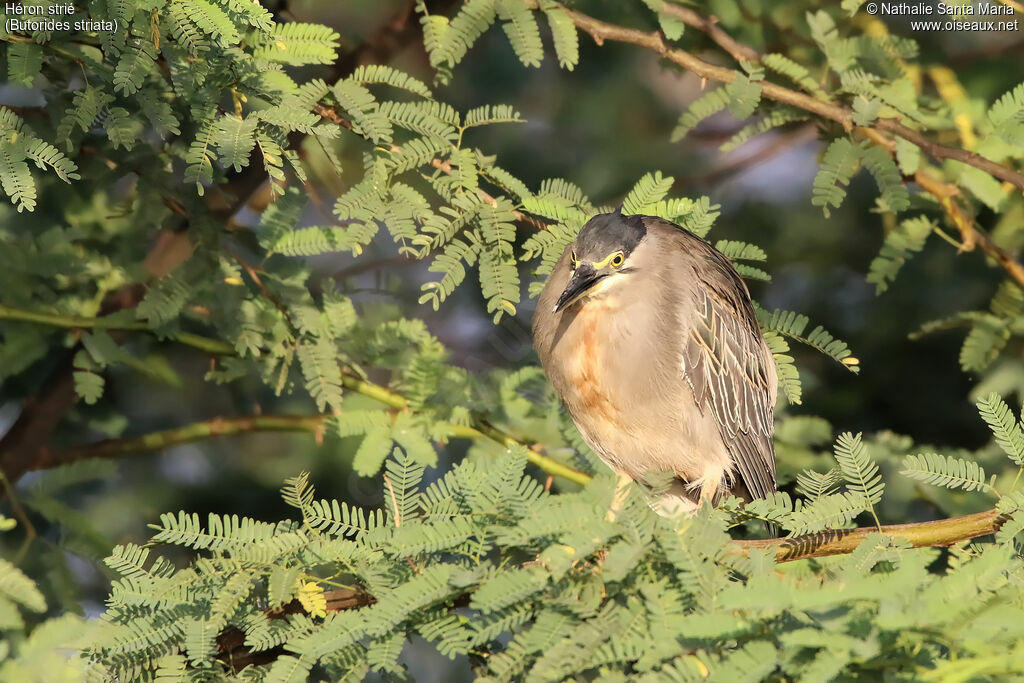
(480, 428)
(601, 31)
(940, 532)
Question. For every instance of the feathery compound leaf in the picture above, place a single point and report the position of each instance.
(24, 61)
(649, 190)
(859, 470)
(361, 106)
(710, 103)
(1006, 429)
(752, 273)
(785, 367)
(387, 75)
(563, 32)
(987, 337)
(298, 492)
(795, 72)
(1008, 109)
(841, 161)
(404, 475)
(488, 114)
(298, 44)
(1008, 301)
(499, 282)
(507, 588)
(184, 30)
(15, 178)
(254, 14)
(123, 129)
(744, 95)
(773, 119)
(751, 663)
(233, 137)
(423, 118)
(319, 362)
(740, 251)
(16, 586)
(814, 485)
(947, 471)
(213, 21)
(521, 28)
(793, 326)
(827, 512)
(131, 70)
(878, 162)
(341, 519)
(899, 246)
(200, 157)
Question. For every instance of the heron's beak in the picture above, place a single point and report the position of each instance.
(583, 278)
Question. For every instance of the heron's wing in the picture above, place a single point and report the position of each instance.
(729, 368)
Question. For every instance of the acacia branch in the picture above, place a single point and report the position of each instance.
(709, 25)
(946, 194)
(331, 114)
(943, 532)
(223, 426)
(601, 31)
(939, 532)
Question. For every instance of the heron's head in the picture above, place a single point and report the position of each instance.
(600, 256)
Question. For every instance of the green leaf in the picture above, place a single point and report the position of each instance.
(708, 104)
(233, 137)
(860, 471)
(880, 164)
(744, 96)
(649, 190)
(18, 587)
(841, 161)
(15, 178)
(1006, 428)
(900, 244)
(947, 471)
(563, 32)
(24, 61)
(521, 28)
(387, 75)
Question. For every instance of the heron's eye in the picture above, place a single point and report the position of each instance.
(617, 259)
(572, 260)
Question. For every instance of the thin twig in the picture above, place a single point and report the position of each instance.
(709, 25)
(20, 515)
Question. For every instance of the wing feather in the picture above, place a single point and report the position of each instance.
(728, 366)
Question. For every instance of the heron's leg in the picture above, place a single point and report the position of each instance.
(708, 491)
(622, 482)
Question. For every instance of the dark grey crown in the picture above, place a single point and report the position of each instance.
(606, 232)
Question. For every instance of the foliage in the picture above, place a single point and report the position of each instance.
(160, 212)
(483, 562)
